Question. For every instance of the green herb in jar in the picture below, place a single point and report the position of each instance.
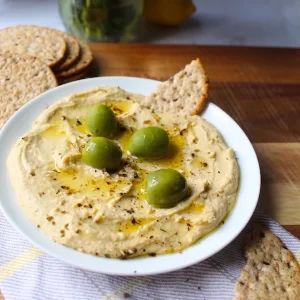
(102, 20)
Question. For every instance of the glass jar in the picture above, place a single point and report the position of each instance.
(102, 20)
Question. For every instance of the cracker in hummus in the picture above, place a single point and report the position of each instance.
(185, 92)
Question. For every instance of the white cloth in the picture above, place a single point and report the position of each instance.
(37, 276)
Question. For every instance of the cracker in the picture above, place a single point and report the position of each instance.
(72, 52)
(84, 61)
(41, 42)
(186, 91)
(271, 272)
(71, 78)
(21, 79)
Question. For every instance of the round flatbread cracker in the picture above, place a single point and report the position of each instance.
(72, 52)
(41, 42)
(22, 78)
(85, 59)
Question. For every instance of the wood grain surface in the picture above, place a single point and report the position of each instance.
(257, 87)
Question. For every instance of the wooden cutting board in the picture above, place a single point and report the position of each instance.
(258, 87)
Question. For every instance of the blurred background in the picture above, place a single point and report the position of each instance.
(213, 22)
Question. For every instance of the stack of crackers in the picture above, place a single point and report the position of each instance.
(34, 59)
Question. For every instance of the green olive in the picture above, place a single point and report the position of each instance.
(149, 142)
(101, 121)
(102, 153)
(166, 188)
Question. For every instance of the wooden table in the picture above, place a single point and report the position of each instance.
(257, 87)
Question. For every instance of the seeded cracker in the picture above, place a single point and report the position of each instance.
(186, 91)
(71, 78)
(80, 65)
(40, 42)
(271, 272)
(22, 78)
(72, 52)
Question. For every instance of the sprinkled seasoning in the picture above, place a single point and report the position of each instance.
(130, 211)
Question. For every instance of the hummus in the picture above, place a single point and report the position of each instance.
(106, 214)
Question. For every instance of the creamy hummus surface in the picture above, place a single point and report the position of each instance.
(106, 214)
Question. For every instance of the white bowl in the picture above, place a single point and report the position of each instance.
(247, 197)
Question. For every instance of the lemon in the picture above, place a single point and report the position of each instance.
(166, 12)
